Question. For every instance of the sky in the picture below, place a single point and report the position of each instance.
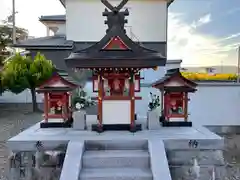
(200, 32)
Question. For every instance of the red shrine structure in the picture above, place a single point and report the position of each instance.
(57, 101)
(174, 92)
(116, 62)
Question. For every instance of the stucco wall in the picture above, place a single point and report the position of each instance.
(215, 105)
(211, 105)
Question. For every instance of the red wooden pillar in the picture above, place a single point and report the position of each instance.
(46, 108)
(185, 106)
(64, 108)
(132, 102)
(166, 105)
(67, 105)
(100, 99)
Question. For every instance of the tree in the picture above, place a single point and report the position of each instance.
(6, 39)
(22, 72)
(2, 89)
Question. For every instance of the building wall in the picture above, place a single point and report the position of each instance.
(61, 29)
(211, 105)
(215, 105)
(147, 20)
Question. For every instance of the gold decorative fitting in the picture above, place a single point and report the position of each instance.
(133, 98)
(99, 99)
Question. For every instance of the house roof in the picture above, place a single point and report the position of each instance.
(68, 78)
(53, 18)
(50, 42)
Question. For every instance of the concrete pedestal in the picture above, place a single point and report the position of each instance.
(153, 120)
(79, 120)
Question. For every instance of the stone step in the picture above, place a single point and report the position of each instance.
(116, 174)
(116, 158)
(117, 145)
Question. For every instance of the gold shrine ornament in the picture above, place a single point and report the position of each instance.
(155, 68)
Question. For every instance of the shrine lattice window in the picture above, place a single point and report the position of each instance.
(176, 104)
(55, 103)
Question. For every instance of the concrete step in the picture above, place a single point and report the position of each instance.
(117, 145)
(116, 174)
(116, 158)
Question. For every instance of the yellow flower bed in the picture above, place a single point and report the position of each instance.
(209, 77)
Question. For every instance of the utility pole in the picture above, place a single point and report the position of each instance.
(238, 64)
(13, 22)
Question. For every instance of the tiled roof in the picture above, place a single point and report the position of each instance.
(50, 41)
(53, 18)
(68, 78)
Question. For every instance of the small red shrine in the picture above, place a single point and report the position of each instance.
(174, 91)
(116, 62)
(57, 101)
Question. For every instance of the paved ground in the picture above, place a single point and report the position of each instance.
(16, 118)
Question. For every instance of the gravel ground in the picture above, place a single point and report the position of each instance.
(16, 118)
(13, 119)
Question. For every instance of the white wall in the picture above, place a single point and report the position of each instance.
(210, 105)
(147, 20)
(23, 97)
(56, 28)
(215, 105)
(116, 112)
(61, 29)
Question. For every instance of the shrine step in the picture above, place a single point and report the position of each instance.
(116, 145)
(116, 174)
(116, 158)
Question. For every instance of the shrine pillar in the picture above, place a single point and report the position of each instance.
(132, 101)
(46, 107)
(186, 106)
(100, 99)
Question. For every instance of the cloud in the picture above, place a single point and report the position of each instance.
(194, 48)
(202, 20)
(232, 36)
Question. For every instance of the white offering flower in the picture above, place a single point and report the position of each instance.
(78, 105)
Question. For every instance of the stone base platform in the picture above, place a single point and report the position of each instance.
(173, 137)
(180, 145)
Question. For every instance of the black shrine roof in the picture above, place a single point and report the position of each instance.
(115, 49)
(171, 75)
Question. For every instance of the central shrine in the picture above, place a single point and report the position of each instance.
(116, 62)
